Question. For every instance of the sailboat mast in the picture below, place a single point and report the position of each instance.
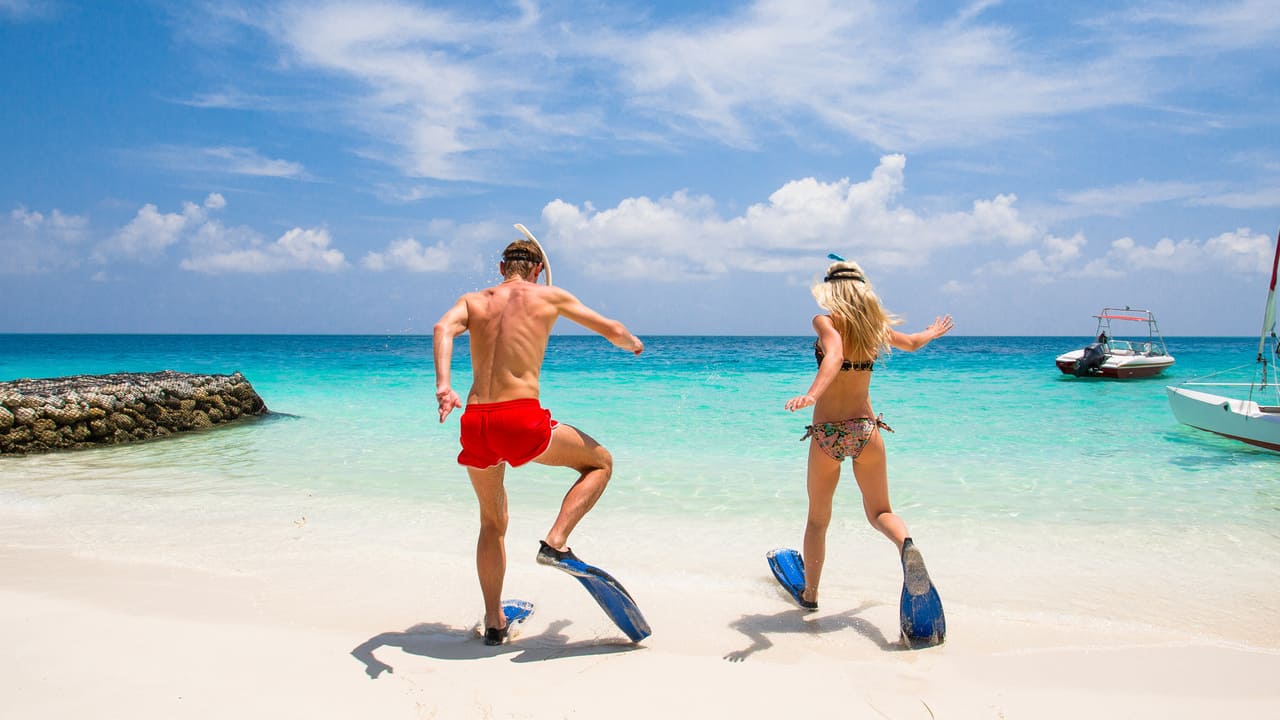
(1269, 316)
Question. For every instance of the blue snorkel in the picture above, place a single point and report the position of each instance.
(837, 258)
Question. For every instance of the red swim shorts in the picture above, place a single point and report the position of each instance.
(513, 431)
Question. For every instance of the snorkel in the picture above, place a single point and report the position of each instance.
(546, 264)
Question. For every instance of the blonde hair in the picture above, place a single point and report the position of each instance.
(864, 325)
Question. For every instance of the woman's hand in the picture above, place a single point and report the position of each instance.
(941, 326)
(800, 401)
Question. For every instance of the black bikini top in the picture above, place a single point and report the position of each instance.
(847, 365)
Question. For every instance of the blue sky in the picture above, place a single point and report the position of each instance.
(314, 167)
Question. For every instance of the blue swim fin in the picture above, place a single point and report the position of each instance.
(516, 612)
(614, 599)
(788, 568)
(920, 611)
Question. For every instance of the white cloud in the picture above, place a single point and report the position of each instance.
(1207, 26)
(871, 71)
(1242, 251)
(682, 236)
(211, 247)
(434, 85)
(1243, 200)
(151, 232)
(453, 94)
(297, 249)
(33, 242)
(1052, 260)
(27, 9)
(229, 159)
(410, 255)
(454, 245)
(1121, 200)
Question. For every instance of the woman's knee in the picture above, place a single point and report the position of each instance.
(876, 514)
(819, 519)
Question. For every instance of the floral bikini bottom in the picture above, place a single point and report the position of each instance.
(844, 438)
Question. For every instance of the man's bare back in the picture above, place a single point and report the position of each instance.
(510, 324)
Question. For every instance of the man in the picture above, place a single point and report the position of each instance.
(503, 423)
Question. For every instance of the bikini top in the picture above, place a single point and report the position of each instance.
(847, 365)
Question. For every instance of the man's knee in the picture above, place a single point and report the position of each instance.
(493, 523)
(601, 461)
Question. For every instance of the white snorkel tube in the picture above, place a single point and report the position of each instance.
(546, 264)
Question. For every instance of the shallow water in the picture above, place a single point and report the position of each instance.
(1001, 465)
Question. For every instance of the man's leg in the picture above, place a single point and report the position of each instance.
(491, 550)
(570, 447)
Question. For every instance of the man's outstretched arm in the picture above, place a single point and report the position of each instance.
(612, 330)
(450, 325)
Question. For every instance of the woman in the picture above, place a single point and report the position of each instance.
(851, 338)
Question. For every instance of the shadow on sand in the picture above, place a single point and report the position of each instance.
(758, 628)
(444, 642)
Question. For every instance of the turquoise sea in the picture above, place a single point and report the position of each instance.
(999, 463)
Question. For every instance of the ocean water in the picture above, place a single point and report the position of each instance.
(998, 462)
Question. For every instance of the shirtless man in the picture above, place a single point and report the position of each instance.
(503, 423)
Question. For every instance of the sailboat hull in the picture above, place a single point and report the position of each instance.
(1241, 420)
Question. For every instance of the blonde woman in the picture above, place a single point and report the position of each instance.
(852, 336)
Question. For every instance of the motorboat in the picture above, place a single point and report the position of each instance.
(1248, 412)
(1140, 353)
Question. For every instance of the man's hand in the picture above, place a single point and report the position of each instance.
(448, 400)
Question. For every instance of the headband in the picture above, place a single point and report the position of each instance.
(843, 274)
(521, 255)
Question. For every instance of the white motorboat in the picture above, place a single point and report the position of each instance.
(1248, 412)
(1140, 354)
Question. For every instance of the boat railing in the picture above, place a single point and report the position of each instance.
(1127, 347)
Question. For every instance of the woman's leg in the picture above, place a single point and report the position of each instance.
(823, 476)
(872, 474)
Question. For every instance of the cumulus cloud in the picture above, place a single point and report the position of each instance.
(1242, 251)
(151, 232)
(409, 254)
(683, 236)
(1056, 256)
(35, 242)
(297, 249)
(212, 247)
(453, 245)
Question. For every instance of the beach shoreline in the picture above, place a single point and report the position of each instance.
(1094, 559)
(97, 638)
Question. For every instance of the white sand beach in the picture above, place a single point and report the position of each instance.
(323, 626)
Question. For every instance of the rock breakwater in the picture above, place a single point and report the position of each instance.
(90, 410)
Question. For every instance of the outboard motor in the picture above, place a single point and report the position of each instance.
(1090, 363)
